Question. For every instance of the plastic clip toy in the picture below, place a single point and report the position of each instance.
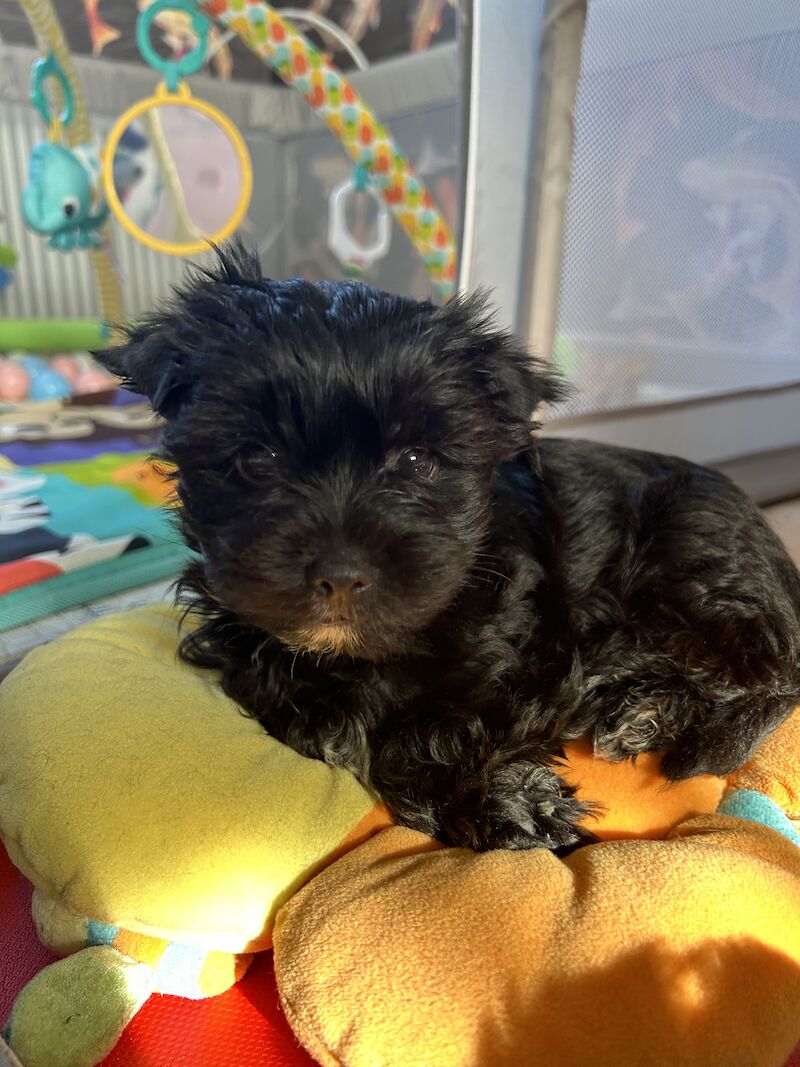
(355, 256)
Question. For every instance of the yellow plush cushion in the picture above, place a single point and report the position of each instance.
(683, 950)
(134, 792)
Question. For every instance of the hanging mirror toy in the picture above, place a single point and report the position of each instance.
(63, 198)
(357, 256)
(199, 169)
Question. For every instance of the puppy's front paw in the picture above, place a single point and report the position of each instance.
(520, 806)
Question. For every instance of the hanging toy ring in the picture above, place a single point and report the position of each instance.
(193, 61)
(341, 241)
(181, 98)
(172, 93)
(41, 71)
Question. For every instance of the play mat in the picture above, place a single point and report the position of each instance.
(82, 508)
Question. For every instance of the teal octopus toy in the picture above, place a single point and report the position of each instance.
(63, 199)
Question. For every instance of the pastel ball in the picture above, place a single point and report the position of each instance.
(67, 366)
(93, 381)
(34, 365)
(47, 385)
(14, 381)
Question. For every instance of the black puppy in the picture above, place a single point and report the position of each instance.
(396, 577)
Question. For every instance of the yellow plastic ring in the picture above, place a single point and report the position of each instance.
(181, 98)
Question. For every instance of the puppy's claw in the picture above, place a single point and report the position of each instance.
(582, 838)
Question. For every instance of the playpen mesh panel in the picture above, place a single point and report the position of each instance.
(681, 269)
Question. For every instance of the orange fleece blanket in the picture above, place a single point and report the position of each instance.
(674, 942)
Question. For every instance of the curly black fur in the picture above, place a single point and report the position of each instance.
(503, 594)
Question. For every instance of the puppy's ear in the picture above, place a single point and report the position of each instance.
(152, 363)
(164, 353)
(513, 382)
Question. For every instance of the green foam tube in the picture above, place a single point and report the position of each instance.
(52, 335)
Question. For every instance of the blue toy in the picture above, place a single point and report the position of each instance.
(748, 804)
(63, 199)
(8, 260)
(45, 383)
(49, 386)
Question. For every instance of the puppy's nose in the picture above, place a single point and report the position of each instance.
(339, 580)
(343, 586)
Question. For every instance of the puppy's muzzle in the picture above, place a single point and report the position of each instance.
(338, 583)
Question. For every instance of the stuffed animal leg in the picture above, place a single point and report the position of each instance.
(74, 1011)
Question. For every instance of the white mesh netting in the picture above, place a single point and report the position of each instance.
(681, 270)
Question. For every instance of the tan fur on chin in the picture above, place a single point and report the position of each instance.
(334, 640)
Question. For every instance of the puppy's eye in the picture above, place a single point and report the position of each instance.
(257, 465)
(416, 463)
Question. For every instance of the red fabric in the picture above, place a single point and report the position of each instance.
(21, 953)
(244, 1027)
(25, 572)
